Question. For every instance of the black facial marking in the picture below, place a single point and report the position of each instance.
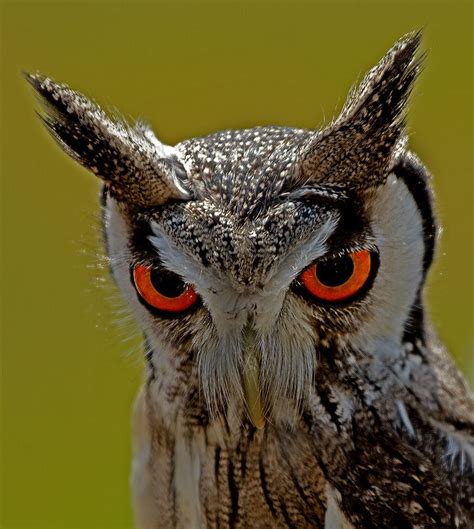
(416, 178)
(354, 224)
(140, 242)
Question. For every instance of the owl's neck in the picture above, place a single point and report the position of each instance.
(366, 425)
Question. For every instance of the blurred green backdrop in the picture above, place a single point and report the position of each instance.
(69, 373)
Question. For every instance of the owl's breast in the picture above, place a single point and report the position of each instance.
(205, 477)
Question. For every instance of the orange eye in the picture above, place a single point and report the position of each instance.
(340, 278)
(163, 290)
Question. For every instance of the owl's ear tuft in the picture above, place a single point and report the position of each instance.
(135, 166)
(358, 149)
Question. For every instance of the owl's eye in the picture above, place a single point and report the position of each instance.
(340, 278)
(163, 290)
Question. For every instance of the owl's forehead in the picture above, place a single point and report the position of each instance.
(243, 169)
(245, 252)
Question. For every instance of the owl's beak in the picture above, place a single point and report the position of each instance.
(251, 379)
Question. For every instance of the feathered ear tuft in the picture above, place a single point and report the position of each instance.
(357, 150)
(136, 167)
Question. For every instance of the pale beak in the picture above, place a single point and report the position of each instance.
(251, 379)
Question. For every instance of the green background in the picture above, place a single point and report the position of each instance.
(71, 360)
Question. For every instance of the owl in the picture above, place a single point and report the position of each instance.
(292, 377)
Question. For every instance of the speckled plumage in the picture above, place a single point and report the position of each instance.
(364, 420)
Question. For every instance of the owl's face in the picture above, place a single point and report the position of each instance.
(244, 253)
(248, 272)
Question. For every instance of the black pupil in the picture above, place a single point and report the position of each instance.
(167, 283)
(335, 272)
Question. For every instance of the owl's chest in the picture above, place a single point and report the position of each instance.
(198, 478)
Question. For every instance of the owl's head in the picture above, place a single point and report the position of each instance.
(246, 253)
